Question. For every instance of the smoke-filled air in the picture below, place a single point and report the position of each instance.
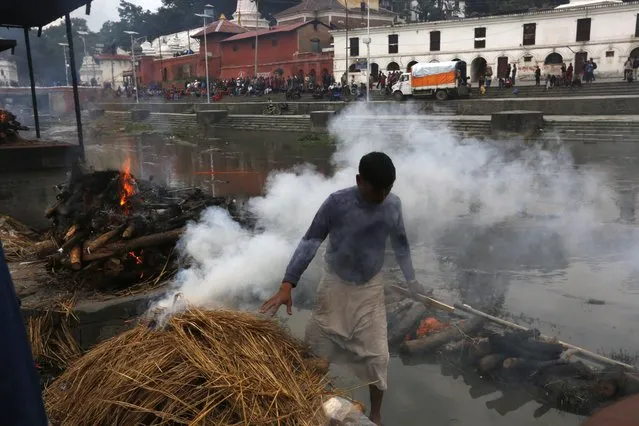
(440, 178)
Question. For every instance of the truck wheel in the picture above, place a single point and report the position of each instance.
(398, 96)
(441, 95)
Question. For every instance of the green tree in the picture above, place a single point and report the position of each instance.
(48, 55)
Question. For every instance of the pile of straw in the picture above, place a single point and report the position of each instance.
(202, 367)
(52, 343)
(18, 240)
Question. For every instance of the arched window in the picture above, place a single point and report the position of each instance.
(554, 59)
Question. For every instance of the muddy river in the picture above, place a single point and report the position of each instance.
(547, 285)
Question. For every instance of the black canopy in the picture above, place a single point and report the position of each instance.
(28, 14)
(6, 44)
(35, 13)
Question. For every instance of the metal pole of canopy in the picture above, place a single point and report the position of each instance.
(34, 100)
(74, 80)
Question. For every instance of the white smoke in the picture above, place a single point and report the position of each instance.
(439, 178)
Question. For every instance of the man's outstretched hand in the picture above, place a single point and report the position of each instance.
(282, 297)
(416, 288)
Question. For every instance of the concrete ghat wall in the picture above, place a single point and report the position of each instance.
(593, 105)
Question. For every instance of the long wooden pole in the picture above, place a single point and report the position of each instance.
(585, 353)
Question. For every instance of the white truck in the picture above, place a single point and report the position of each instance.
(440, 79)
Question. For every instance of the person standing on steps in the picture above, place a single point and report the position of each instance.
(514, 74)
(348, 324)
(537, 76)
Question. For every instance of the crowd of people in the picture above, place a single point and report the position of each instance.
(566, 78)
(241, 86)
(327, 85)
(630, 68)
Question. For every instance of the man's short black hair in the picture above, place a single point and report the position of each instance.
(377, 169)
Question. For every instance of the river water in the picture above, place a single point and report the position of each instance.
(548, 285)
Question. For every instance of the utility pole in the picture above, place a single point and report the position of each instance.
(257, 17)
(66, 63)
(347, 41)
(208, 13)
(368, 51)
(135, 79)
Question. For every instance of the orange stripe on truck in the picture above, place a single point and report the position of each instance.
(434, 80)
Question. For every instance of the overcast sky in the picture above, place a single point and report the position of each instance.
(105, 10)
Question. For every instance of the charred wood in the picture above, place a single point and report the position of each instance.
(429, 344)
(75, 257)
(169, 237)
(490, 363)
(102, 239)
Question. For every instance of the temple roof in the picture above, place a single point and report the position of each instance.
(273, 30)
(310, 6)
(221, 26)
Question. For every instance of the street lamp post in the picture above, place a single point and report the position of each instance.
(368, 51)
(257, 17)
(66, 63)
(209, 12)
(135, 79)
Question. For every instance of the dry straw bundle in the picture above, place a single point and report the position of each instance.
(202, 367)
(17, 239)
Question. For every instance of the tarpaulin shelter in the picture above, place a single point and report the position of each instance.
(6, 44)
(29, 14)
(20, 397)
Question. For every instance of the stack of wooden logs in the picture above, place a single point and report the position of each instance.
(525, 359)
(111, 230)
(9, 126)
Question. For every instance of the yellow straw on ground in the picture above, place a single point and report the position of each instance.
(202, 367)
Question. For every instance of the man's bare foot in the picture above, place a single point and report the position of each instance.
(377, 419)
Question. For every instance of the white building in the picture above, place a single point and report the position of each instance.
(167, 46)
(113, 68)
(246, 15)
(90, 70)
(605, 30)
(8, 72)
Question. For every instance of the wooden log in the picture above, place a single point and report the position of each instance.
(514, 346)
(102, 240)
(51, 211)
(73, 229)
(129, 231)
(45, 248)
(75, 257)
(407, 322)
(318, 365)
(169, 237)
(584, 353)
(530, 365)
(490, 363)
(481, 348)
(428, 344)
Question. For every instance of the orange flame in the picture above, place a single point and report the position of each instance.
(428, 326)
(128, 183)
(138, 259)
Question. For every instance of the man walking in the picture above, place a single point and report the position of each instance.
(348, 324)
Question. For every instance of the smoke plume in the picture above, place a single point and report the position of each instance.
(441, 178)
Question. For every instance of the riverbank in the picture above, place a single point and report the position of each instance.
(557, 128)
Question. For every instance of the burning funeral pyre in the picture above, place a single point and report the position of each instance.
(522, 364)
(111, 230)
(9, 127)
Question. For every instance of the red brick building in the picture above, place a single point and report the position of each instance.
(188, 67)
(290, 49)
